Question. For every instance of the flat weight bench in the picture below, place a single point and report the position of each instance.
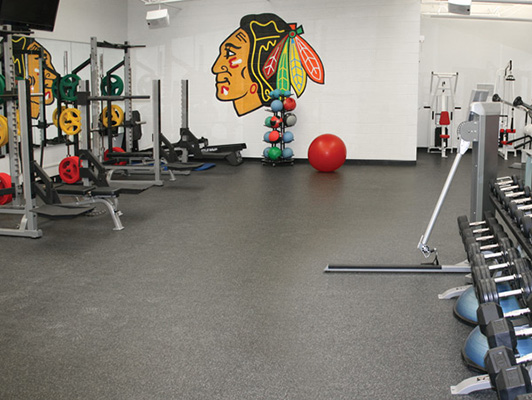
(108, 196)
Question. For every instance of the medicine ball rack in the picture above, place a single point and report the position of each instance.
(481, 130)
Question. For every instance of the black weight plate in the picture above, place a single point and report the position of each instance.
(526, 283)
(472, 249)
(518, 216)
(520, 267)
(526, 226)
(479, 273)
(479, 260)
(487, 291)
(511, 255)
(463, 222)
(505, 244)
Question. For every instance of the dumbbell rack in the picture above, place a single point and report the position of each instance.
(515, 309)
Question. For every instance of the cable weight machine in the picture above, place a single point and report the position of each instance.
(481, 131)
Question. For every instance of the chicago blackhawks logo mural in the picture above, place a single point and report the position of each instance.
(264, 54)
(26, 54)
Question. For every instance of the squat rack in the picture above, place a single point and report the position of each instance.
(20, 148)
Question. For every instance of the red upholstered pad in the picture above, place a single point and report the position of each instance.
(445, 136)
(444, 118)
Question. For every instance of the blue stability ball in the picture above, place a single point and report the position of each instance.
(277, 105)
(288, 137)
(266, 152)
(275, 94)
(288, 153)
(477, 345)
(465, 308)
(267, 137)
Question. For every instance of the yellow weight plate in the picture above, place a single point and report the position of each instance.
(54, 114)
(4, 131)
(70, 121)
(117, 116)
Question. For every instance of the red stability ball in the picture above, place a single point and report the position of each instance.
(327, 153)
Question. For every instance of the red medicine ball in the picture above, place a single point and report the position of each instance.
(289, 104)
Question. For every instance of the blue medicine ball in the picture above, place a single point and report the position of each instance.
(275, 94)
(267, 137)
(288, 153)
(277, 105)
(266, 152)
(288, 137)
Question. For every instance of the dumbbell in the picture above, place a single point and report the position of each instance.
(494, 237)
(487, 312)
(507, 374)
(521, 197)
(503, 245)
(503, 181)
(480, 269)
(474, 235)
(486, 289)
(501, 332)
(501, 191)
(518, 211)
(463, 221)
(470, 229)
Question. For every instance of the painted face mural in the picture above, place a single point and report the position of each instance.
(265, 53)
(31, 68)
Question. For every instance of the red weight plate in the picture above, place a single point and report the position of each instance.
(69, 170)
(5, 182)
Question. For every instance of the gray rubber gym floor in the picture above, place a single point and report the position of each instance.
(216, 290)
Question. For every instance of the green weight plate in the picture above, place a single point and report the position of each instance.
(2, 86)
(54, 87)
(68, 86)
(116, 83)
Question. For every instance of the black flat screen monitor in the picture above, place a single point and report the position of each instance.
(29, 14)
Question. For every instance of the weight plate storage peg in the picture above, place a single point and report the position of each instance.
(117, 85)
(117, 116)
(5, 183)
(4, 131)
(70, 121)
(69, 170)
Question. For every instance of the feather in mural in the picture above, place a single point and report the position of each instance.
(293, 59)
